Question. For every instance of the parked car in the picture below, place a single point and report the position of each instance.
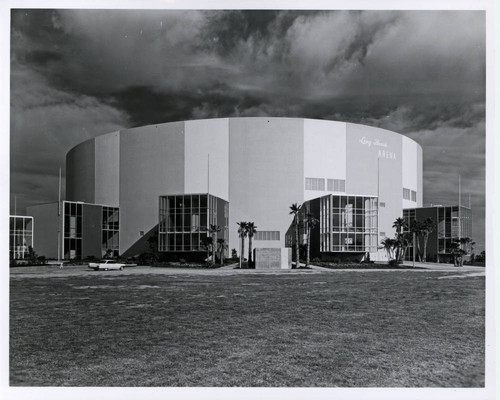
(106, 264)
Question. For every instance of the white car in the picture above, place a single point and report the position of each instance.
(106, 264)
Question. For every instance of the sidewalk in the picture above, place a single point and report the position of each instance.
(445, 267)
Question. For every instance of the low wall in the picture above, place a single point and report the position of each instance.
(273, 258)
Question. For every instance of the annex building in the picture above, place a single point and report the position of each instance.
(173, 180)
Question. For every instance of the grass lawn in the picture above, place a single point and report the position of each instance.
(348, 329)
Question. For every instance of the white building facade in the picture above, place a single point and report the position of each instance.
(257, 167)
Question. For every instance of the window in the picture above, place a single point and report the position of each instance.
(406, 194)
(315, 184)
(111, 230)
(413, 196)
(184, 221)
(382, 234)
(382, 204)
(72, 223)
(335, 185)
(348, 223)
(267, 235)
(21, 236)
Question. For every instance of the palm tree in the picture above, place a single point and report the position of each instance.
(465, 242)
(251, 229)
(405, 240)
(295, 211)
(457, 252)
(311, 222)
(213, 230)
(206, 243)
(417, 229)
(242, 232)
(427, 229)
(400, 224)
(388, 244)
(221, 247)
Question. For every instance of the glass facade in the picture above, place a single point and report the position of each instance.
(72, 230)
(74, 221)
(185, 221)
(110, 230)
(452, 223)
(20, 236)
(348, 223)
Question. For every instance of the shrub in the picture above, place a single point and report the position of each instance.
(393, 263)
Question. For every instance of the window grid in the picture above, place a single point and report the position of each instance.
(20, 236)
(110, 229)
(185, 221)
(315, 184)
(348, 223)
(335, 185)
(72, 239)
(267, 235)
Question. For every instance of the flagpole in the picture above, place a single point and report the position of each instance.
(59, 220)
(459, 205)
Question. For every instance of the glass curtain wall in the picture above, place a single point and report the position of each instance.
(110, 230)
(72, 230)
(348, 223)
(453, 223)
(20, 236)
(185, 220)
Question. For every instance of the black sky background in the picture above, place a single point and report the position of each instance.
(76, 74)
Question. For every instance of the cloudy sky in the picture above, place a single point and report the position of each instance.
(76, 74)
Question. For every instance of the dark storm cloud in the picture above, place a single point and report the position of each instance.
(80, 73)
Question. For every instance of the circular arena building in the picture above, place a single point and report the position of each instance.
(175, 179)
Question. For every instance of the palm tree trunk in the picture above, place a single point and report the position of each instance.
(425, 247)
(242, 246)
(297, 255)
(249, 250)
(214, 241)
(308, 246)
(241, 251)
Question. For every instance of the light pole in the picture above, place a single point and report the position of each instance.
(414, 246)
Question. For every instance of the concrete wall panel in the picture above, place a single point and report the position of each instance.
(46, 228)
(151, 164)
(374, 167)
(91, 230)
(107, 169)
(204, 138)
(266, 169)
(409, 170)
(324, 152)
(420, 186)
(80, 172)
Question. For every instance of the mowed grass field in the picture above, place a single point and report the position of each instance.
(323, 329)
